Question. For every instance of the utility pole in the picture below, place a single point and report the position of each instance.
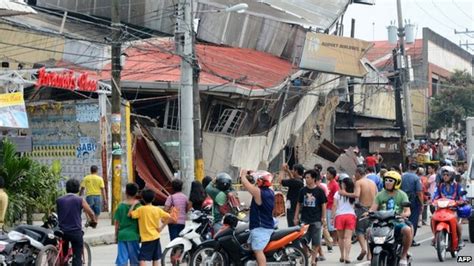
(398, 105)
(351, 85)
(184, 47)
(404, 72)
(198, 156)
(116, 114)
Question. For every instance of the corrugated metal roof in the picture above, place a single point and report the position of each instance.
(50, 22)
(320, 14)
(249, 70)
(381, 53)
(14, 8)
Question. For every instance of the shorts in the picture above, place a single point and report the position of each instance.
(398, 229)
(259, 238)
(331, 227)
(127, 251)
(361, 225)
(150, 250)
(314, 234)
(345, 222)
(95, 204)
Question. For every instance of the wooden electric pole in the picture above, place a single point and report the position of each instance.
(116, 113)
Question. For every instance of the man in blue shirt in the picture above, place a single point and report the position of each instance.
(375, 178)
(411, 185)
(260, 219)
(69, 208)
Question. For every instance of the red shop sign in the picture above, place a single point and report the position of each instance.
(65, 80)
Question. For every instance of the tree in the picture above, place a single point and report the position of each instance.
(30, 186)
(453, 103)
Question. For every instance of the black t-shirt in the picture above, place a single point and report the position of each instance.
(311, 201)
(294, 185)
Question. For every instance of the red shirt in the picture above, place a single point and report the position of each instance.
(333, 187)
(371, 161)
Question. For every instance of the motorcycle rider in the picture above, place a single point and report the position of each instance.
(393, 198)
(450, 189)
(261, 219)
(219, 191)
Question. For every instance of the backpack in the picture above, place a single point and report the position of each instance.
(173, 212)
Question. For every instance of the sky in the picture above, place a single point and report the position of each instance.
(441, 16)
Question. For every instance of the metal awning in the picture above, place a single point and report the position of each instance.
(14, 8)
(308, 13)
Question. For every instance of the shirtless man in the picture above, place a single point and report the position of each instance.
(365, 191)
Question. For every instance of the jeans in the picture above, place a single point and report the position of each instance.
(95, 204)
(290, 215)
(415, 215)
(174, 230)
(77, 243)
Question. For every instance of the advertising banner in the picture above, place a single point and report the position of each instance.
(13, 111)
(334, 54)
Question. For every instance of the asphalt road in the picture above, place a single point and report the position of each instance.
(423, 255)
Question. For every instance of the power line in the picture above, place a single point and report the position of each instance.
(460, 9)
(444, 15)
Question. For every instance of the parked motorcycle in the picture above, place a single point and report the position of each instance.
(229, 247)
(444, 225)
(21, 245)
(179, 250)
(384, 247)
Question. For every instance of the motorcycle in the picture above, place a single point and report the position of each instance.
(21, 245)
(444, 225)
(384, 247)
(179, 250)
(229, 247)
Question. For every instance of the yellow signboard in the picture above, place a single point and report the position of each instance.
(334, 54)
(13, 111)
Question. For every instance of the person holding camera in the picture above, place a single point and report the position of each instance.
(261, 210)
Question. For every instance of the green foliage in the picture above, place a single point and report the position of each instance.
(30, 186)
(454, 102)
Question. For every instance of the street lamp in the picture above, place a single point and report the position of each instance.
(188, 111)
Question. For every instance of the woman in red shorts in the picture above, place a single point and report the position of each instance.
(343, 217)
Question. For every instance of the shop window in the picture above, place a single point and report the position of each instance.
(230, 121)
(171, 118)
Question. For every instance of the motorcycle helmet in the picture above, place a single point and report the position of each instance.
(263, 178)
(223, 181)
(395, 176)
(464, 211)
(448, 170)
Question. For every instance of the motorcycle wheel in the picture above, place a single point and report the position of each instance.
(471, 228)
(208, 256)
(378, 260)
(296, 256)
(47, 256)
(441, 244)
(172, 255)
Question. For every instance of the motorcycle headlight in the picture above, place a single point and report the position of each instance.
(443, 203)
(379, 239)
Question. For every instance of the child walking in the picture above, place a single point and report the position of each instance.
(149, 224)
(126, 229)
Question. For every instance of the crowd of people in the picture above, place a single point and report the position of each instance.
(437, 150)
(375, 186)
(332, 204)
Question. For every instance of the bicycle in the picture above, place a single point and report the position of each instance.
(53, 255)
